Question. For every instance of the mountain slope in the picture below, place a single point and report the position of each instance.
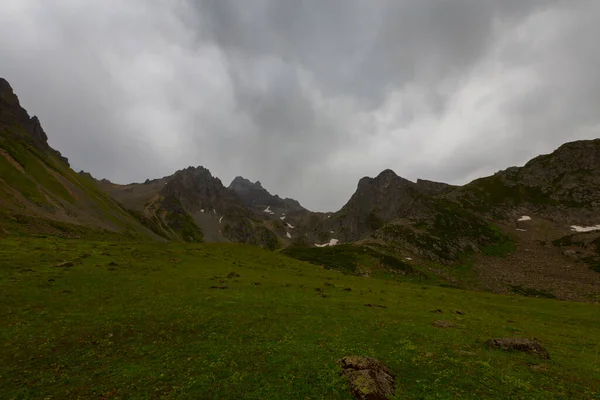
(192, 205)
(39, 192)
(531, 229)
(563, 186)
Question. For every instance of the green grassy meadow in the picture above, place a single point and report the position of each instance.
(133, 320)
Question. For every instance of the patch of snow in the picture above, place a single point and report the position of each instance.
(524, 218)
(289, 226)
(331, 232)
(329, 216)
(521, 230)
(282, 218)
(214, 211)
(220, 219)
(268, 210)
(289, 235)
(409, 259)
(332, 242)
(202, 210)
(585, 228)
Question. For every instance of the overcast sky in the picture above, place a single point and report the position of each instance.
(305, 96)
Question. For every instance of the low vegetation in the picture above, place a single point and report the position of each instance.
(101, 319)
(351, 259)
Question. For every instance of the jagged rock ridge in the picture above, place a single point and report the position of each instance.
(255, 196)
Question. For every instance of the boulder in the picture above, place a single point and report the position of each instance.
(369, 378)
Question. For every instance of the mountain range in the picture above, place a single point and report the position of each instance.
(532, 229)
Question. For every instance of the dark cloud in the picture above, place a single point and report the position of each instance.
(305, 96)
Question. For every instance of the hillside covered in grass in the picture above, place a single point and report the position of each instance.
(40, 193)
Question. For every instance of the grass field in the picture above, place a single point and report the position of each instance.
(142, 320)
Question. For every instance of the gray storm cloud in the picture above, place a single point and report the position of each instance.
(306, 97)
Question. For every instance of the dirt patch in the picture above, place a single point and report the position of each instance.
(369, 378)
(518, 344)
(11, 160)
(443, 324)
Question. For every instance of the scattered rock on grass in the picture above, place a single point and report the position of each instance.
(113, 264)
(539, 367)
(570, 253)
(438, 311)
(443, 324)
(369, 378)
(219, 287)
(459, 312)
(518, 344)
(233, 275)
(348, 289)
(66, 264)
(375, 306)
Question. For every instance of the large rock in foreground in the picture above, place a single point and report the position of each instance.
(518, 344)
(369, 378)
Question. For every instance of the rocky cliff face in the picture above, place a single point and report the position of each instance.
(16, 122)
(255, 196)
(381, 200)
(198, 190)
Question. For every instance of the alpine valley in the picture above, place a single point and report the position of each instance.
(96, 276)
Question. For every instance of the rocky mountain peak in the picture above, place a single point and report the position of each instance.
(255, 196)
(386, 183)
(196, 190)
(7, 95)
(13, 115)
(193, 182)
